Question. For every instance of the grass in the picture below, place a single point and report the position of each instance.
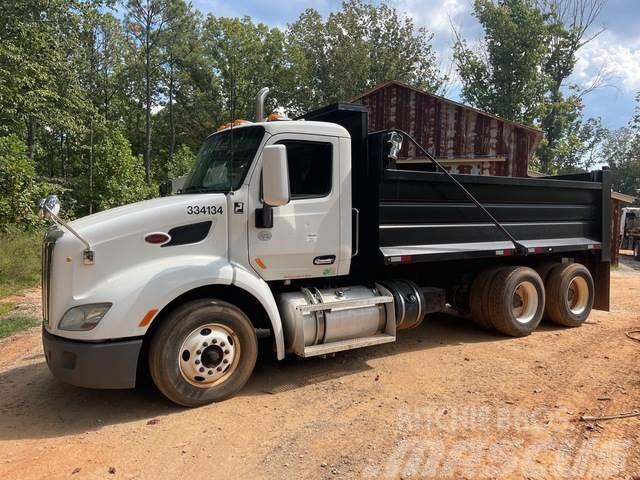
(6, 308)
(19, 261)
(11, 325)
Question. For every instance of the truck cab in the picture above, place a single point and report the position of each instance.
(304, 230)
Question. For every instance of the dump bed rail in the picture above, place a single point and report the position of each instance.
(422, 216)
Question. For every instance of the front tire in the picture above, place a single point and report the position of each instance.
(203, 352)
(636, 250)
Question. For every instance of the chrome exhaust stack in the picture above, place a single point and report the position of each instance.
(262, 94)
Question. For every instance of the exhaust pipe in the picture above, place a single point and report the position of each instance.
(262, 94)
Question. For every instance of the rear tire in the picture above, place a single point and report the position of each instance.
(636, 250)
(570, 293)
(203, 352)
(478, 297)
(544, 269)
(515, 301)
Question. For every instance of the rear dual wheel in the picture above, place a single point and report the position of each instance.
(478, 295)
(515, 301)
(508, 299)
(570, 294)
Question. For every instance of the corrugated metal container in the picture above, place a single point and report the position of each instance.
(462, 138)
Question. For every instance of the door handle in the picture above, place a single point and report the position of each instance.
(324, 260)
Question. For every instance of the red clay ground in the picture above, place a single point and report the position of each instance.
(446, 401)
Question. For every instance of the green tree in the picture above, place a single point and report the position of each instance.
(18, 188)
(181, 43)
(120, 175)
(146, 21)
(355, 49)
(180, 163)
(503, 76)
(245, 56)
(520, 71)
(622, 152)
(40, 88)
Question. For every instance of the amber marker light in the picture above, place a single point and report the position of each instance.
(146, 320)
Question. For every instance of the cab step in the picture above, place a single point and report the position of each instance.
(350, 344)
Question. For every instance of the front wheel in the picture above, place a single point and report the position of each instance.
(636, 250)
(203, 352)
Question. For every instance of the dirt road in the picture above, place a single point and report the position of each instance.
(445, 401)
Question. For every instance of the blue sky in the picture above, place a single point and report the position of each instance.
(616, 51)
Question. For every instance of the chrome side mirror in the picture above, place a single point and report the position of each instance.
(48, 206)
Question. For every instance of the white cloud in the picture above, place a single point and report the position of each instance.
(620, 63)
(433, 14)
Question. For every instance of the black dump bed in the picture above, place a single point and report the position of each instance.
(426, 216)
(411, 216)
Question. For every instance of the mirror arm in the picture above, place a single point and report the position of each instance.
(264, 216)
(88, 255)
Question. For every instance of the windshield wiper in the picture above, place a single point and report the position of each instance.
(196, 189)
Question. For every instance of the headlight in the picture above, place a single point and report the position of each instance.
(84, 317)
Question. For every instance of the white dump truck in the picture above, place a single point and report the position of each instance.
(306, 230)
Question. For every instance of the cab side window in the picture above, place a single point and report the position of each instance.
(310, 167)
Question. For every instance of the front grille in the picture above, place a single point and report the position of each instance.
(48, 244)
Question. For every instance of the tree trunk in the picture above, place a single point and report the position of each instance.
(147, 146)
(91, 167)
(31, 136)
(172, 123)
(61, 171)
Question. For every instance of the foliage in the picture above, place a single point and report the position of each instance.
(503, 77)
(11, 325)
(621, 152)
(181, 162)
(19, 260)
(6, 307)
(18, 188)
(246, 56)
(355, 49)
(120, 177)
(92, 92)
(521, 68)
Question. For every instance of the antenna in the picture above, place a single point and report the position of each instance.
(232, 110)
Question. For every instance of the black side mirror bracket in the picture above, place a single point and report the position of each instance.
(264, 216)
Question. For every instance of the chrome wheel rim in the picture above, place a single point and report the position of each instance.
(578, 295)
(209, 355)
(525, 302)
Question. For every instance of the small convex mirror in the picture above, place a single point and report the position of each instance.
(48, 205)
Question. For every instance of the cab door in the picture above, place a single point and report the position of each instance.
(304, 241)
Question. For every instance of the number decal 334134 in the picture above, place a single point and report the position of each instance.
(204, 210)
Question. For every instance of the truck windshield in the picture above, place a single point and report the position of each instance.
(223, 160)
